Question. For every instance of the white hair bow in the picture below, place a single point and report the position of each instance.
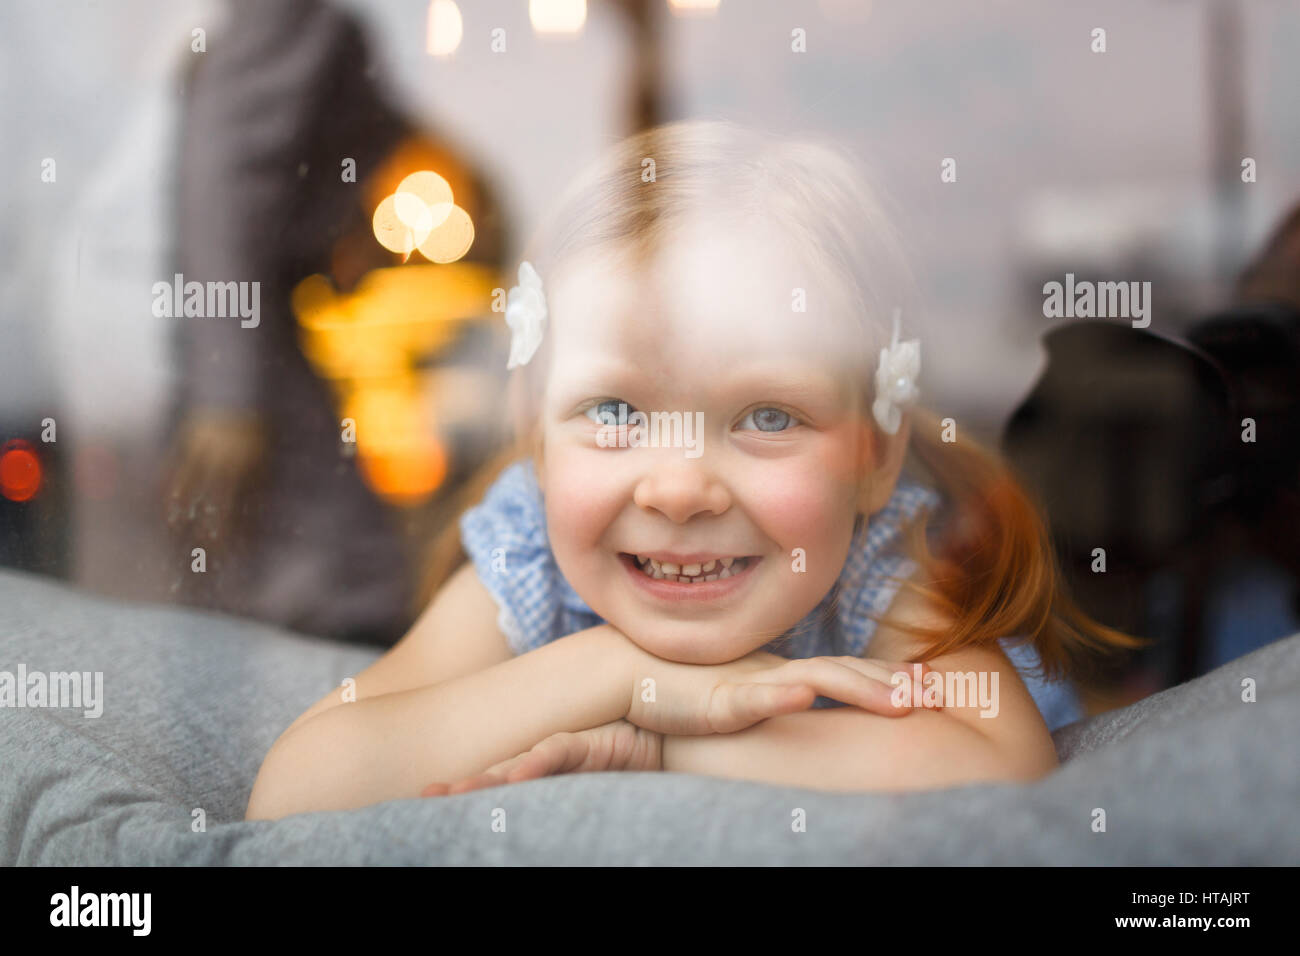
(900, 364)
(526, 316)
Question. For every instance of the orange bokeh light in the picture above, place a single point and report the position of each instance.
(369, 344)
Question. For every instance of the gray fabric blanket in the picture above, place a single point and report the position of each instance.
(191, 703)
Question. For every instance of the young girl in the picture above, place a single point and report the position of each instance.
(707, 544)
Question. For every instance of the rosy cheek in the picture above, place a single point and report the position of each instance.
(795, 506)
(576, 515)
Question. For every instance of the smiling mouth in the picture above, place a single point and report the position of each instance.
(716, 570)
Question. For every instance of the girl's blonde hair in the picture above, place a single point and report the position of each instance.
(991, 567)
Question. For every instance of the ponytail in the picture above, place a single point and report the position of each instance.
(993, 568)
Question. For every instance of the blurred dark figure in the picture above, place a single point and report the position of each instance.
(1136, 443)
(1257, 344)
(260, 479)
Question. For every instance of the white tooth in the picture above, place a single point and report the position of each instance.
(690, 570)
(657, 573)
(711, 577)
(641, 559)
(709, 567)
(725, 573)
(670, 568)
(726, 562)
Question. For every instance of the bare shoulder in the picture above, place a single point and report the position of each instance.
(982, 688)
(912, 608)
(457, 634)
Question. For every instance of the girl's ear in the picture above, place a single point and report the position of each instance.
(883, 465)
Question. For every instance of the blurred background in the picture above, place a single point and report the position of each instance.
(302, 457)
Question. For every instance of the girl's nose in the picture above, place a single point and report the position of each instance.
(681, 490)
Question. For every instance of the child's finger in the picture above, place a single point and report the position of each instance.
(918, 692)
(562, 753)
(455, 786)
(541, 761)
(852, 682)
(887, 672)
(737, 706)
(928, 693)
(477, 782)
(508, 771)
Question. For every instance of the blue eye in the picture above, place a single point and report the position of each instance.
(611, 412)
(770, 420)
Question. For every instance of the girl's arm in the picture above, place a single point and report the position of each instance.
(390, 746)
(445, 702)
(456, 635)
(849, 749)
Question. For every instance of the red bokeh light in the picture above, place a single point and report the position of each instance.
(20, 471)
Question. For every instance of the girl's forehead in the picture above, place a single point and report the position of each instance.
(726, 293)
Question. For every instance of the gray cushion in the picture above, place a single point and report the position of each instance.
(192, 702)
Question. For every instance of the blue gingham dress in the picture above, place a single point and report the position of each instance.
(505, 537)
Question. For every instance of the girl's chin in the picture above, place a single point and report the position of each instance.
(696, 647)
